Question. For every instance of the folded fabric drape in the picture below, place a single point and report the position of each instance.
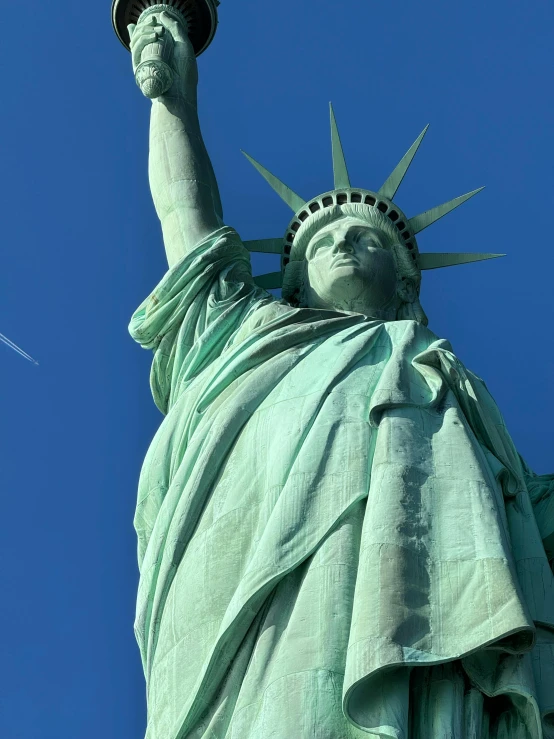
(336, 532)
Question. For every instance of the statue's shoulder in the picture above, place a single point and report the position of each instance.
(269, 310)
(265, 312)
(410, 330)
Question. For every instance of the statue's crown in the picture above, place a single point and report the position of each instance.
(367, 203)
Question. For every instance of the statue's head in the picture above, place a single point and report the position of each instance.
(354, 260)
(353, 249)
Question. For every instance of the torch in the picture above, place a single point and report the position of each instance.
(154, 75)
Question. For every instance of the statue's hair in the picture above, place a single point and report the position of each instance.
(295, 274)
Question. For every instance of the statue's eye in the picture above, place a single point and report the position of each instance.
(368, 239)
(325, 241)
(363, 238)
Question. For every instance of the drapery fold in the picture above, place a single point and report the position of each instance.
(282, 424)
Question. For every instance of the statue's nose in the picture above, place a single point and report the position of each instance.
(345, 246)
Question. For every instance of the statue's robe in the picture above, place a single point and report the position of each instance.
(335, 534)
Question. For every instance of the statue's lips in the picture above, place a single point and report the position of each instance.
(345, 260)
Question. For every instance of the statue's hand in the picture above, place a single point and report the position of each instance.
(166, 29)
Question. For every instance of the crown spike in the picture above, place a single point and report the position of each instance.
(433, 260)
(340, 170)
(294, 201)
(265, 246)
(418, 223)
(392, 183)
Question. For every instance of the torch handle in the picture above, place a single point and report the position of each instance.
(154, 75)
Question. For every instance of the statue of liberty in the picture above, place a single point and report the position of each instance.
(337, 537)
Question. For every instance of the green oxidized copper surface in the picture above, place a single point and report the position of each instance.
(201, 17)
(344, 193)
(337, 537)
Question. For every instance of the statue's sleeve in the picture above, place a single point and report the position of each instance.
(196, 311)
(496, 438)
(541, 492)
(487, 423)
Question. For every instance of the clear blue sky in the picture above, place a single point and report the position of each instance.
(81, 248)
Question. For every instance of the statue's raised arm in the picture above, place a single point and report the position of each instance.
(182, 180)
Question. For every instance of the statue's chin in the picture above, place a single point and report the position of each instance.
(345, 284)
(346, 269)
(346, 287)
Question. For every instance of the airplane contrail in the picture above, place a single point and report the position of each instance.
(17, 349)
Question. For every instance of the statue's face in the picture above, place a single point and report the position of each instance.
(349, 268)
